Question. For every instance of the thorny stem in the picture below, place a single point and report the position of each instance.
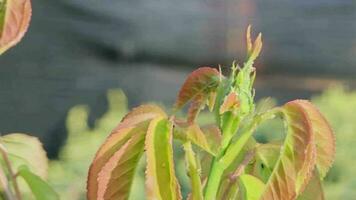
(227, 155)
(4, 154)
(239, 170)
(217, 167)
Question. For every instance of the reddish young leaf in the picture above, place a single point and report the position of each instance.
(133, 125)
(195, 107)
(206, 139)
(115, 178)
(324, 138)
(314, 189)
(253, 50)
(309, 143)
(161, 182)
(231, 103)
(297, 159)
(15, 17)
(200, 82)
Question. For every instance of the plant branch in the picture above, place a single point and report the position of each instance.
(5, 185)
(239, 170)
(4, 154)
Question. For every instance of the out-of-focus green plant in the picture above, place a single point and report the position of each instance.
(68, 173)
(223, 160)
(339, 107)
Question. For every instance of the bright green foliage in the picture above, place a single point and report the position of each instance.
(251, 187)
(40, 189)
(23, 160)
(225, 161)
(161, 182)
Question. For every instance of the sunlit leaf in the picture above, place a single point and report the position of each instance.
(15, 17)
(26, 150)
(200, 82)
(251, 187)
(161, 182)
(40, 189)
(133, 124)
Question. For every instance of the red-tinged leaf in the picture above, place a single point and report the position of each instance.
(213, 136)
(195, 107)
(200, 82)
(324, 138)
(161, 182)
(248, 40)
(314, 189)
(231, 103)
(211, 100)
(207, 140)
(253, 50)
(297, 157)
(15, 17)
(133, 124)
(257, 47)
(115, 178)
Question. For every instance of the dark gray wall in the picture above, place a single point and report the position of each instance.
(76, 49)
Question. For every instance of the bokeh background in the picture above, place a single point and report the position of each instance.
(77, 51)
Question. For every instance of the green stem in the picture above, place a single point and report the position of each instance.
(228, 154)
(217, 169)
(234, 149)
(193, 171)
(214, 179)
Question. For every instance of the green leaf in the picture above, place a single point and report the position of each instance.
(40, 189)
(266, 156)
(161, 182)
(133, 125)
(193, 172)
(26, 150)
(251, 187)
(202, 82)
(15, 17)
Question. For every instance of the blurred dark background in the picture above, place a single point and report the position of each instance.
(75, 50)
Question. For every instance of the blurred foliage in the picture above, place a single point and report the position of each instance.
(68, 174)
